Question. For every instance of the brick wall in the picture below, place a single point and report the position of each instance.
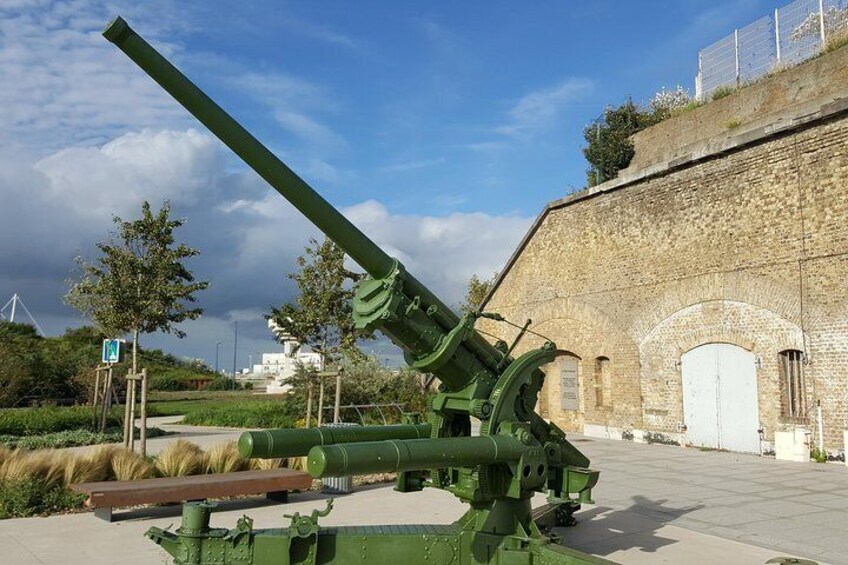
(745, 247)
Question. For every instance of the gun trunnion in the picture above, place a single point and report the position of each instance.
(515, 454)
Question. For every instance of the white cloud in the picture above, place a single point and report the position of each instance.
(184, 167)
(540, 108)
(319, 136)
(249, 236)
(281, 90)
(442, 252)
(61, 82)
(319, 32)
(412, 165)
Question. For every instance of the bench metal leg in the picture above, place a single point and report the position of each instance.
(103, 512)
(279, 496)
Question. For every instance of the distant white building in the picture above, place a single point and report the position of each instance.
(278, 368)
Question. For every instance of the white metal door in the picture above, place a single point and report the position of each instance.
(720, 397)
(700, 396)
(739, 414)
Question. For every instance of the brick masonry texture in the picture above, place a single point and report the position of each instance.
(747, 247)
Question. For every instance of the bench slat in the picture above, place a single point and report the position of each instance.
(194, 487)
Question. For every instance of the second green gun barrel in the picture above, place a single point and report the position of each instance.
(410, 455)
(272, 444)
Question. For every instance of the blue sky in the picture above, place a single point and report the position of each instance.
(441, 128)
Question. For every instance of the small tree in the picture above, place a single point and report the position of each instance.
(609, 148)
(322, 315)
(477, 291)
(667, 103)
(139, 284)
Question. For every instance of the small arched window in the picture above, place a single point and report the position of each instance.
(603, 386)
(793, 398)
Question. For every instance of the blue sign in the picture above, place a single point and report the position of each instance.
(113, 351)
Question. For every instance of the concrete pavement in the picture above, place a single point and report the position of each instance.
(82, 539)
(794, 508)
(655, 504)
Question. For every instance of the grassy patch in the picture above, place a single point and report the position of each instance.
(71, 438)
(26, 497)
(722, 91)
(264, 414)
(47, 419)
(36, 482)
(181, 403)
(836, 42)
(691, 105)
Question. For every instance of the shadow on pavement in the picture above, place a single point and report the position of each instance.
(603, 531)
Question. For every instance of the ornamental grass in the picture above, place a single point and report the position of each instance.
(5, 452)
(179, 459)
(130, 466)
(225, 458)
(94, 465)
(22, 464)
(266, 464)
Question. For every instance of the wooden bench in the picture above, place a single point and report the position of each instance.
(274, 483)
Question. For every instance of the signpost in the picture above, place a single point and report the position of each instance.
(113, 351)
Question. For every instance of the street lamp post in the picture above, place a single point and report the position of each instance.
(217, 349)
(235, 351)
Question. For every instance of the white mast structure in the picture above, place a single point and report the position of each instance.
(13, 303)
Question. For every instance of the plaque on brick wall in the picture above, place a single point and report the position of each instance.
(569, 399)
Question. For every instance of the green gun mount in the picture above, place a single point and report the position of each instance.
(497, 471)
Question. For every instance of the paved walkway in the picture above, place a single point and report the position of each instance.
(204, 436)
(655, 504)
(793, 508)
(82, 539)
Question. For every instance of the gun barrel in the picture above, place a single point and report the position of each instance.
(271, 444)
(356, 244)
(412, 454)
(329, 220)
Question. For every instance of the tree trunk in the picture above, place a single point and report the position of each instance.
(131, 385)
(135, 352)
(309, 403)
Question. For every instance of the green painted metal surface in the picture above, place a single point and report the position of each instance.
(497, 471)
(271, 444)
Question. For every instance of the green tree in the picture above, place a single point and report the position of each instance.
(609, 147)
(476, 292)
(139, 284)
(21, 362)
(322, 315)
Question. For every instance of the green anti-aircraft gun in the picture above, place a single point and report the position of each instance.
(514, 455)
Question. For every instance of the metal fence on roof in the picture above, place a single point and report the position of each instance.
(793, 34)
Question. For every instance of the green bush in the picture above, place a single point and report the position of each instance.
(35, 369)
(34, 497)
(47, 419)
(221, 383)
(722, 92)
(608, 145)
(169, 383)
(71, 438)
(268, 414)
(818, 455)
